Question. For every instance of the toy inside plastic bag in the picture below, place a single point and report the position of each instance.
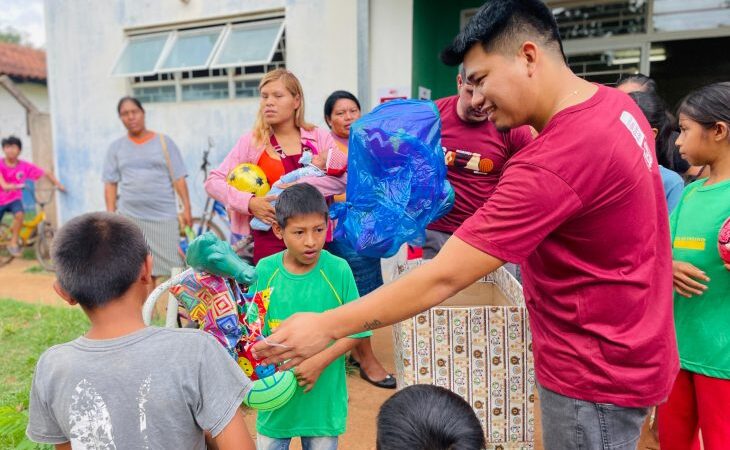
(236, 319)
(221, 309)
(396, 178)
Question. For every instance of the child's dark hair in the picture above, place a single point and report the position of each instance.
(128, 99)
(646, 83)
(12, 140)
(98, 256)
(656, 112)
(426, 417)
(708, 105)
(329, 104)
(298, 200)
(505, 24)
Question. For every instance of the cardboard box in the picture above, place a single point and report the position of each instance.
(478, 345)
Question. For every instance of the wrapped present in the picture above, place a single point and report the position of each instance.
(396, 182)
(478, 345)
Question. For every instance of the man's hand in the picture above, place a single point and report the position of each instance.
(685, 279)
(299, 337)
(61, 187)
(262, 209)
(308, 372)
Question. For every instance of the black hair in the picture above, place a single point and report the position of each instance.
(98, 257)
(647, 84)
(12, 140)
(708, 105)
(501, 22)
(329, 104)
(426, 417)
(297, 200)
(128, 99)
(656, 112)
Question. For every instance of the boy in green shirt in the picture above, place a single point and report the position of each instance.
(306, 278)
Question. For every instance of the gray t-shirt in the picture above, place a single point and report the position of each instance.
(140, 170)
(157, 388)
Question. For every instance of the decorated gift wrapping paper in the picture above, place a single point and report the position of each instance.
(483, 353)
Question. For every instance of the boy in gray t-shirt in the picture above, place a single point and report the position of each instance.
(125, 385)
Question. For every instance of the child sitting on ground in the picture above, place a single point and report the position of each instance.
(426, 417)
(306, 278)
(123, 384)
(13, 174)
(313, 166)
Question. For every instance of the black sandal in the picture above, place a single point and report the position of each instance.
(386, 383)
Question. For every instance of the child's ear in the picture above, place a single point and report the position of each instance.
(278, 232)
(146, 273)
(63, 294)
(721, 131)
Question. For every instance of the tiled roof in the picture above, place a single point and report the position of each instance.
(22, 62)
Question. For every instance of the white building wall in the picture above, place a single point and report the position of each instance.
(391, 46)
(86, 36)
(13, 117)
(321, 40)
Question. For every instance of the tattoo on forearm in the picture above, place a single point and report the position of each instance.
(372, 325)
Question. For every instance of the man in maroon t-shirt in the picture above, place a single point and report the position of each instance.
(475, 156)
(581, 208)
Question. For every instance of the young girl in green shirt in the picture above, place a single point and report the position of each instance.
(701, 391)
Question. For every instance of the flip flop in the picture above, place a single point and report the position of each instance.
(353, 362)
(386, 383)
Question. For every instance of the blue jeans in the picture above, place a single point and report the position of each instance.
(568, 423)
(308, 443)
(366, 270)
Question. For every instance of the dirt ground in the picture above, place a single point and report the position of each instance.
(365, 399)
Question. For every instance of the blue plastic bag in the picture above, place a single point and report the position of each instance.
(396, 178)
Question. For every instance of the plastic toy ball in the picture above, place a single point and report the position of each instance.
(250, 178)
(723, 241)
(270, 393)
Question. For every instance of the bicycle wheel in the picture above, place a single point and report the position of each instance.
(210, 227)
(43, 243)
(5, 256)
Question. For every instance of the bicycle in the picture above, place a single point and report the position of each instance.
(36, 232)
(213, 209)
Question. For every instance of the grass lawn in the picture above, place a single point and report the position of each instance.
(25, 332)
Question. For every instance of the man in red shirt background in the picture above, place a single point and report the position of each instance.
(581, 209)
(475, 156)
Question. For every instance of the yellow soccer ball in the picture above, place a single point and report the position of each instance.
(250, 178)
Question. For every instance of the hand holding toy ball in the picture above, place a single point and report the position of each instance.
(249, 178)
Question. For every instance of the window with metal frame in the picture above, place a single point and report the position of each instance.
(140, 55)
(216, 61)
(683, 15)
(591, 19)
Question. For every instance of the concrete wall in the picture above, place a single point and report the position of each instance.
(85, 37)
(391, 45)
(13, 118)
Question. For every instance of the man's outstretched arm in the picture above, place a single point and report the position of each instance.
(457, 265)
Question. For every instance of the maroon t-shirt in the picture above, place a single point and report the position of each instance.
(475, 156)
(582, 209)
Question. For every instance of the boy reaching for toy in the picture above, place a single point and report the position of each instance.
(109, 388)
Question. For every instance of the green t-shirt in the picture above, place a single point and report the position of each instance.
(323, 410)
(703, 322)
